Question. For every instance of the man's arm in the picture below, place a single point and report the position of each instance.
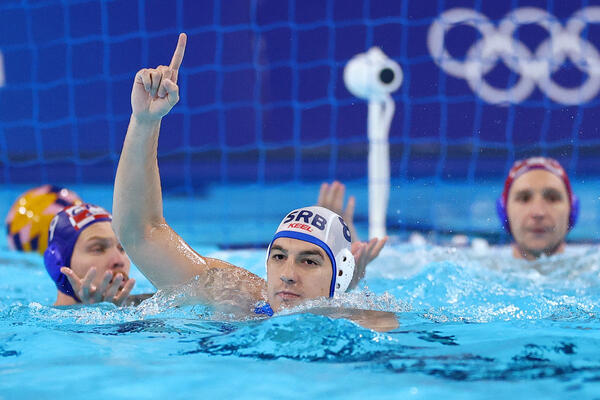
(380, 321)
(158, 251)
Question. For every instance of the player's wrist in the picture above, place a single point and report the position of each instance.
(145, 119)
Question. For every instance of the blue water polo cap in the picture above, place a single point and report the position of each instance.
(64, 230)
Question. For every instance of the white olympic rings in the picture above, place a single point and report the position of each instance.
(534, 68)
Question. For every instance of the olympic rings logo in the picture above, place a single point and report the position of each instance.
(534, 68)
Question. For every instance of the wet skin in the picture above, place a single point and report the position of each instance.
(296, 271)
(538, 212)
(99, 267)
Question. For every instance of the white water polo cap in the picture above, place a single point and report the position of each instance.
(326, 229)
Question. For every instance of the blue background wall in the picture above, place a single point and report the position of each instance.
(263, 98)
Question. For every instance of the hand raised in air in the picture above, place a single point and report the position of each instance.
(155, 90)
(331, 196)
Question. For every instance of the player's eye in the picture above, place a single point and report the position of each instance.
(523, 197)
(277, 256)
(97, 248)
(311, 261)
(553, 196)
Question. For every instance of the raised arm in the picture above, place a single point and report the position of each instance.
(158, 251)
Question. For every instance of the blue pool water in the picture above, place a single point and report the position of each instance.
(473, 324)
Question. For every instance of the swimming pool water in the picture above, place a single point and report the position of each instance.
(469, 329)
(473, 324)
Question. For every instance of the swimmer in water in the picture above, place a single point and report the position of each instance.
(311, 255)
(97, 269)
(85, 259)
(537, 207)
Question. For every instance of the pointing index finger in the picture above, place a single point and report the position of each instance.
(178, 54)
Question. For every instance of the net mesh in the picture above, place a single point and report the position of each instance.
(263, 98)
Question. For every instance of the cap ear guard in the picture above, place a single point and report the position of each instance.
(345, 271)
(501, 211)
(53, 261)
(574, 214)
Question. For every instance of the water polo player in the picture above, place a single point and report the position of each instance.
(311, 255)
(537, 207)
(85, 259)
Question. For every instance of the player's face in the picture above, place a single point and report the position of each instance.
(296, 271)
(538, 212)
(97, 246)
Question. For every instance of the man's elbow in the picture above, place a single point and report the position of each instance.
(131, 234)
(125, 234)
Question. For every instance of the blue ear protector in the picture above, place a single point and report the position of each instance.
(574, 214)
(501, 210)
(54, 260)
